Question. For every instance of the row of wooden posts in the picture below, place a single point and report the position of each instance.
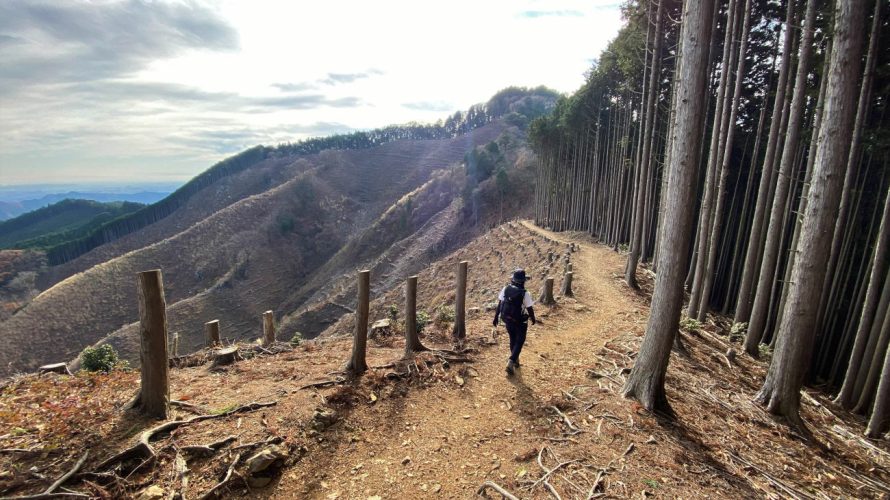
(154, 392)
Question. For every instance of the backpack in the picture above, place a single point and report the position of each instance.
(511, 307)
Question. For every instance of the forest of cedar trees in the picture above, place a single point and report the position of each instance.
(739, 150)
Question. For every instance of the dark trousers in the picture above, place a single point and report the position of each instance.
(517, 332)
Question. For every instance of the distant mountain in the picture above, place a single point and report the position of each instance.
(14, 208)
(62, 221)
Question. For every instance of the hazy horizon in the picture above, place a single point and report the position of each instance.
(88, 95)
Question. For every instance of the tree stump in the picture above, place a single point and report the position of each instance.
(154, 391)
(225, 356)
(211, 332)
(567, 285)
(412, 342)
(460, 301)
(268, 328)
(61, 368)
(547, 293)
(357, 362)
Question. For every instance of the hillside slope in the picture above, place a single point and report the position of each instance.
(62, 220)
(444, 429)
(239, 261)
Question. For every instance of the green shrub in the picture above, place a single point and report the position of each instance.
(297, 338)
(394, 313)
(690, 324)
(422, 319)
(99, 359)
(444, 315)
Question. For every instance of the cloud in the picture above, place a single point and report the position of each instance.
(294, 87)
(338, 78)
(437, 106)
(60, 42)
(534, 14)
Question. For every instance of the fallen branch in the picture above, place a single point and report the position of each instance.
(775, 481)
(212, 492)
(207, 449)
(271, 440)
(324, 383)
(53, 487)
(574, 430)
(490, 484)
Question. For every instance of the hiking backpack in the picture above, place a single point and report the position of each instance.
(511, 307)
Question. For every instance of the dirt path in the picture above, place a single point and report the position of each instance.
(450, 442)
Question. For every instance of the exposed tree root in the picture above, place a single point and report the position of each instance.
(324, 383)
(207, 449)
(144, 450)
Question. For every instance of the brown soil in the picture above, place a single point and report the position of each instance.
(444, 431)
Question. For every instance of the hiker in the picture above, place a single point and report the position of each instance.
(515, 309)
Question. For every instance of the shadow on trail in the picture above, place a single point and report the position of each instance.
(694, 451)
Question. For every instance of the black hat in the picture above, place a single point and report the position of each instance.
(519, 276)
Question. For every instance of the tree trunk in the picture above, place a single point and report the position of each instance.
(646, 380)
(880, 262)
(710, 270)
(175, 345)
(636, 241)
(781, 389)
(764, 296)
(567, 285)
(357, 362)
(460, 302)
(767, 179)
(154, 391)
(880, 414)
(546, 297)
(268, 328)
(211, 332)
(412, 342)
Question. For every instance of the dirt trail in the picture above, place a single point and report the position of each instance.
(450, 442)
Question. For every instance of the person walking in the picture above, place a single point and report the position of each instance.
(515, 309)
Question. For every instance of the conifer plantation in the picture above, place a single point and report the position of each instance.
(742, 157)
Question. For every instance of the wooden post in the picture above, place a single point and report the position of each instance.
(460, 302)
(154, 391)
(357, 362)
(175, 347)
(567, 285)
(568, 268)
(268, 328)
(412, 342)
(547, 293)
(211, 330)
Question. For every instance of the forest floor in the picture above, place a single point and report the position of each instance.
(559, 428)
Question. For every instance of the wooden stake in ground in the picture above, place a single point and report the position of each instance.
(460, 301)
(412, 342)
(211, 332)
(268, 328)
(154, 391)
(175, 347)
(546, 297)
(357, 362)
(567, 285)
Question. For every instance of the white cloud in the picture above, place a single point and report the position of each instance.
(243, 72)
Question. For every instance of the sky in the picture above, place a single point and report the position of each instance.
(158, 91)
